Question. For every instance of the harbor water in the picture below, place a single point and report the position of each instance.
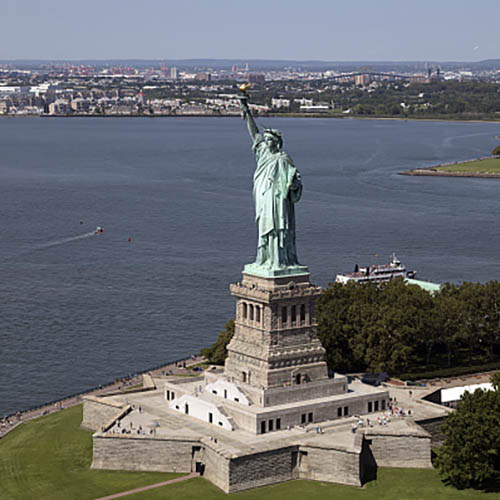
(174, 196)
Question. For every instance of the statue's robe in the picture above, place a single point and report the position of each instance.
(276, 188)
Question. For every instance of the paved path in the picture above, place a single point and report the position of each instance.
(150, 487)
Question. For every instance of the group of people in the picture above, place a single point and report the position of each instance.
(118, 429)
(384, 419)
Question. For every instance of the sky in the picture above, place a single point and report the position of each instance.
(328, 30)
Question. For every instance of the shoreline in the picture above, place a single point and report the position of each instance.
(272, 115)
(16, 418)
(421, 172)
(433, 172)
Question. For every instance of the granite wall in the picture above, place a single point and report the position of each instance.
(98, 412)
(314, 460)
(260, 469)
(406, 448)
(331, 464)
(143, 453)
(216, 468)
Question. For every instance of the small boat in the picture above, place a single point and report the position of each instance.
(99, 230)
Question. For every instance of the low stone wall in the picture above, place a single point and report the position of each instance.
(334, 465)
(408, 448)
(260, 469)
(351, 463)
(97, 412)
(216, 468)
(142, 453)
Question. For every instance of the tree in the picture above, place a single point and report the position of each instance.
(449, 311)
(217, 352)
(496, 151)
(387, 327)
(470, 455)
(495, 380)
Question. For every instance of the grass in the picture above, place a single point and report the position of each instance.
(49, 459)
(392, 484)
(487, 166)
(202, 364)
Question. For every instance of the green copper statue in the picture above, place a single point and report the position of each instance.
(276, 189)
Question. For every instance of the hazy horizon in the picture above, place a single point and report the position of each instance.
(321, 30)
(249, 60)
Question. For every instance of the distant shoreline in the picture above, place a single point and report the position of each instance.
(272, 115)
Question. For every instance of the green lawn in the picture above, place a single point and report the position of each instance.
(49, 459)
(490, 166)
(392, 484)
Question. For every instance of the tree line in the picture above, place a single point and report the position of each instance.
(439, 98)
(402, 329)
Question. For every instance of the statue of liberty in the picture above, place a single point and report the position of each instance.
(276, 189)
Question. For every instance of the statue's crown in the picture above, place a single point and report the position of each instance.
(274, 132)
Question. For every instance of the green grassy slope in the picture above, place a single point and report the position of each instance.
(49, 459)
(489, 165)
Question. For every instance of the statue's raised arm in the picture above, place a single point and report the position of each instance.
(246, 114)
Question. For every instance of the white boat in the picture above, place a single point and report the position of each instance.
(99, 230)
(377, 274)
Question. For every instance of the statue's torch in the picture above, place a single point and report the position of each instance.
(244, 99)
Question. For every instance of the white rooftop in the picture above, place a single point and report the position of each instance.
(455, 393)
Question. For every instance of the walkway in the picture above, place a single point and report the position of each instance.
(150, 487)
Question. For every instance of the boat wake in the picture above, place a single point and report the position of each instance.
(63, 241)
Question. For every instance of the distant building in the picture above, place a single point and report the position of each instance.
(203, 76)
(59, 107)
(9, 90)
(315, 108)
(362, 80)
(257, 78)
(43, 88)
(80, 105)
(141, 98)
(173, 73)
(419, 79)
(278, 102)
(303, 101)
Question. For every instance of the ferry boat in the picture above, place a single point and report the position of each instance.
(377, 274)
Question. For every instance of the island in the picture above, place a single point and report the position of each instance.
(488, 167)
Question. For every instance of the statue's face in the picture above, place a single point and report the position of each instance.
(272, 143)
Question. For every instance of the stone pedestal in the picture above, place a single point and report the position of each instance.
(275, 343)
(275, 376)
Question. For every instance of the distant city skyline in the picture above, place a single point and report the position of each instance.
(389, 30)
